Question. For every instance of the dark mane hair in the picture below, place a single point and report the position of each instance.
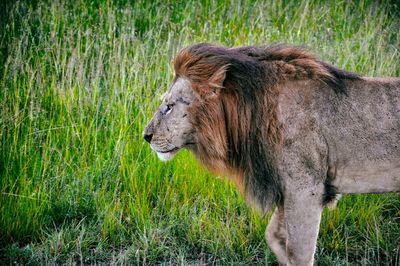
(236, 120)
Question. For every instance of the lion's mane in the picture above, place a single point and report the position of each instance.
(236, 122)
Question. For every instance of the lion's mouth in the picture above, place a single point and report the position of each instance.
(186, 145)
(172, 150)
(166, 155)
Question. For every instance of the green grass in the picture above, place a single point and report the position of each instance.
(80, 79)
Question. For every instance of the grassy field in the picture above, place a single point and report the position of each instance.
(80, 79)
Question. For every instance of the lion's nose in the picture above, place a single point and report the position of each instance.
(147, 137)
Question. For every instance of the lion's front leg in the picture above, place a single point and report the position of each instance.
(302, 211)
(276, 235)
(303, 170)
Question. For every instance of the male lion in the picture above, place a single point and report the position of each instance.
(290, 130)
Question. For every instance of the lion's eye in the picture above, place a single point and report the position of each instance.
(167, 109)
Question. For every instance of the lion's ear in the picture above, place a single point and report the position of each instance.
(214, 84)
(217, 79)
(213, 93)
(207, 92)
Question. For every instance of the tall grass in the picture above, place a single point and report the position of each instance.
(78, 82)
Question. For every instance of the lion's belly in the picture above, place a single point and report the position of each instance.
(364, 136)
(368, 177)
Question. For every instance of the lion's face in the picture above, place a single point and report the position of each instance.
(170, 128)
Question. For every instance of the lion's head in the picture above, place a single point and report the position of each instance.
(190, 114)
(171, 129)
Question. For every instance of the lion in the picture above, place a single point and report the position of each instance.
(291, 131)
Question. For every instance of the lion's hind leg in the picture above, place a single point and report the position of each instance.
(276, 235)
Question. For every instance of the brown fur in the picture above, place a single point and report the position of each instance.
(239, 88)
(289, 129)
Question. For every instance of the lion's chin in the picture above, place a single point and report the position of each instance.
(166, 156)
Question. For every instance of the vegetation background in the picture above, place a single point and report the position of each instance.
(80, 79)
